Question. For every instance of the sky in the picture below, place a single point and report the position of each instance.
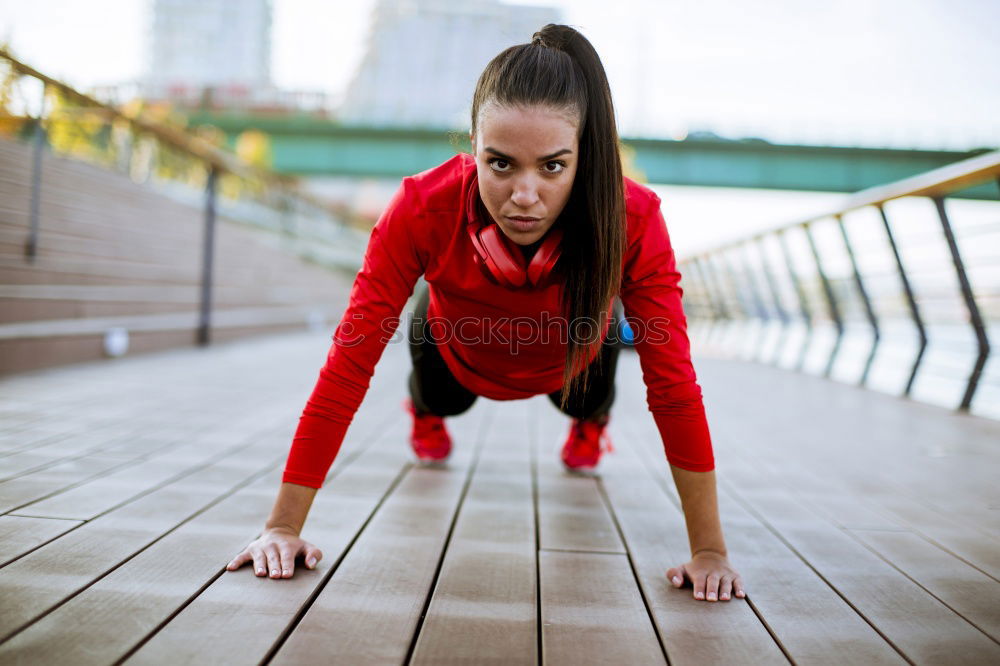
(897, 73)
(901, 73)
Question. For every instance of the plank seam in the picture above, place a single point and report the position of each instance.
(583, 551)
(533, 465)
(635, 574)
(484, 426)
(93, 582)
(661, 482)
(752, 511)
(334, 473)
(178, 477)
(307, 604)
(916, 582)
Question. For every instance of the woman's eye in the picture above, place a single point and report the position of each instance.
(558, 167)
(497, 161)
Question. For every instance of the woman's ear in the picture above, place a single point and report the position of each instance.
(472, 140)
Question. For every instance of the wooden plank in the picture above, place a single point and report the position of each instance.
(692, 632)
(814, 624)
(942, 529)
(102, 493)
(836, 502)
(809, 618)
(93, 493)
(20, 463)
(939, 459)
(19, 493)
(48, 575)
(592, 612)
(928, 632)
(248, 614)
(169, 569)
(104, 621)
(931, 495)
(370, 609)
(571, 513)
(19, 535)
(969, 592)
(484, 606)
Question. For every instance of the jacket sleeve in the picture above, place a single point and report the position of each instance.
(391, 266)
(651, 296)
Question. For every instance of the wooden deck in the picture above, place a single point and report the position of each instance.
(866, 527)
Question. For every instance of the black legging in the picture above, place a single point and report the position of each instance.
(434, 389)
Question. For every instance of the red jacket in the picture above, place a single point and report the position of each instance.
(422, 232)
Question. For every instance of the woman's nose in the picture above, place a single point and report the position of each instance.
(525, 193)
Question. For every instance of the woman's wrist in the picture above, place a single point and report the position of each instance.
(291, 508)
(277, 527)
(710, 551)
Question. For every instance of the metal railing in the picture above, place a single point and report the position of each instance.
(187, 164)
(894, 290)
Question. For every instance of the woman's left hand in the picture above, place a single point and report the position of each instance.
(711, 575)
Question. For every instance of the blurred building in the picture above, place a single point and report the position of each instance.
(218, 48)
(424, 56)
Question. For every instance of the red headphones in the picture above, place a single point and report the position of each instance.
(500, 258)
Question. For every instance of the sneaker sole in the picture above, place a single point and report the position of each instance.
(582, 471)
(431, 463)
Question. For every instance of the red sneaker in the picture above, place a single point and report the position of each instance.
(429, 439)
(586, 443)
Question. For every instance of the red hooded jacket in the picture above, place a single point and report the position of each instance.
(489, 336)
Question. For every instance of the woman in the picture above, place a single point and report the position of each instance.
(538, 220)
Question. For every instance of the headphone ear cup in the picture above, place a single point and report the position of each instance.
(545, 257)
(482, 256)
(510, 268)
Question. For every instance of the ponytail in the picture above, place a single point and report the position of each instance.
(561, 69)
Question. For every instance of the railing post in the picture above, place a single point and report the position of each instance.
(696, 285)
(911, 301)
(732, 278)
(37, 155)
(801, 294)
(831, 300)
(208, 253)
(718, 306)
(721, 283)
(758, 303)
(713, 279)
(869, 310)
(772, 286)
(975, 318)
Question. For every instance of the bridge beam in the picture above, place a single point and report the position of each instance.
(310, 146)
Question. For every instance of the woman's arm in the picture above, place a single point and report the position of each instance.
(651, 294)
(391, 266)
(708, 570)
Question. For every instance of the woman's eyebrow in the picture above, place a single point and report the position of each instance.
(540, 159)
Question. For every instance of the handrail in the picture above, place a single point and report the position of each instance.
(815, 279)
(309, 226)
(176, 138)
(936, 183)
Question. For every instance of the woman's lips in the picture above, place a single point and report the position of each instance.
(524, 223)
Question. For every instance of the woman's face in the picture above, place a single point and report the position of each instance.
(526, 160)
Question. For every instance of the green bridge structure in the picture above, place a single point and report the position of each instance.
(311, 146)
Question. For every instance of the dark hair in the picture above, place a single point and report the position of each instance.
(561, 69)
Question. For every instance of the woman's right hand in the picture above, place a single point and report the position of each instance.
(274, 551)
